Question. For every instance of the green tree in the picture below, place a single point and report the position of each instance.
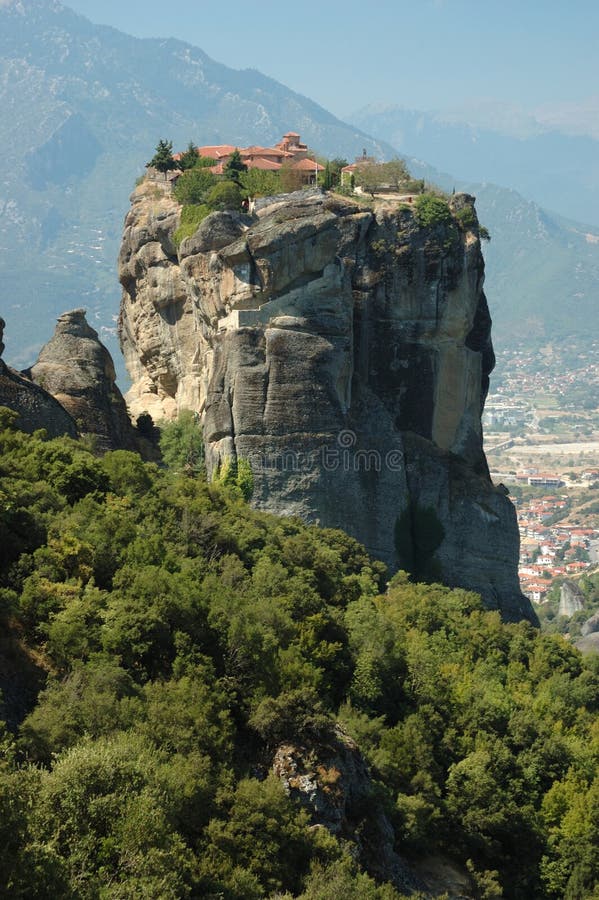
(163, 159)
(105, 810)
(234, 167)
(194, 186)
(374, 176)
(206, 162)
(189, 157)
(258, 183)
(369, 177)
(326, 178)
(182, 444)
(291, 179)
(262, 847)
(335, 166)
(28, 868)
(226, 195)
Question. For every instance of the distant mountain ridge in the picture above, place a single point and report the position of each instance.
(557, 170)
(542, 268)
(83, 108)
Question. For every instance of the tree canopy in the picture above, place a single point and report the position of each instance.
(181, 638)
(163, 159)
(234, 166)
(189, 158)
(374, 176)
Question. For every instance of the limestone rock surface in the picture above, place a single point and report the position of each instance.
(35, 406)
(77, 369)
(344, 351)
(330, 779)
(571, 599)
(591, 626)
(589, 640)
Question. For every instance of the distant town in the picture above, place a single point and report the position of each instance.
(542, 441)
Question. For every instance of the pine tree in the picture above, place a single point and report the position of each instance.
(235, 166)
(189, 158)
(163, 158)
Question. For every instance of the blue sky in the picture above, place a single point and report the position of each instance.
(424, 54)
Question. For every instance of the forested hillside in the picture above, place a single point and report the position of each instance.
(180, 639)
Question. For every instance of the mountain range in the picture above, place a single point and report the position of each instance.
(557, 170)
(83, 108)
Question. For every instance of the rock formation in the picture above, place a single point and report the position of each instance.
(330, 779)
(571, 599)
(589, 640)
(343, 351)
(591, 626)
(77, 369)
(36, 408)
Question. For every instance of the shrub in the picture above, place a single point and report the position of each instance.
(237, 473)
(226, 195)
(182, 444)
(431, 210)
(194, 186)
(466, 218)
(191, 219)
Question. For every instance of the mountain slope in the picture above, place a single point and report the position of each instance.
(84, 107)
(541, 269)
(557, 170)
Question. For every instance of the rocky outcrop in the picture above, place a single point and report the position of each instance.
(344, 351)
(77, 369)
(589, 640)
(571, 599)
(330, 779)
(591, 626)
(36, 408)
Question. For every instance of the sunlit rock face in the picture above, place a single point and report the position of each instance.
(77, 369)
(344, 351)
(34, 406)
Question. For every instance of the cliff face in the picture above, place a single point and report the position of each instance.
(36, 407)
(344, 351)
(77, 369)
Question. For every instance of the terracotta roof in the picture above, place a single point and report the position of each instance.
(307, 165)
(216, 151)
(265, 165)
(264, 151)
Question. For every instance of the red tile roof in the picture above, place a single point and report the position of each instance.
(216, 151)
(264, 151)
(307, 165)
(265, 165)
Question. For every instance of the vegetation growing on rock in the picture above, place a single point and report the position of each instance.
(185, 637)
(431, 210)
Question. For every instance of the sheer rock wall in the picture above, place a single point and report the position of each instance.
(344, 351)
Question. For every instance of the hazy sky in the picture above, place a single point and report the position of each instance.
(425, 54)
